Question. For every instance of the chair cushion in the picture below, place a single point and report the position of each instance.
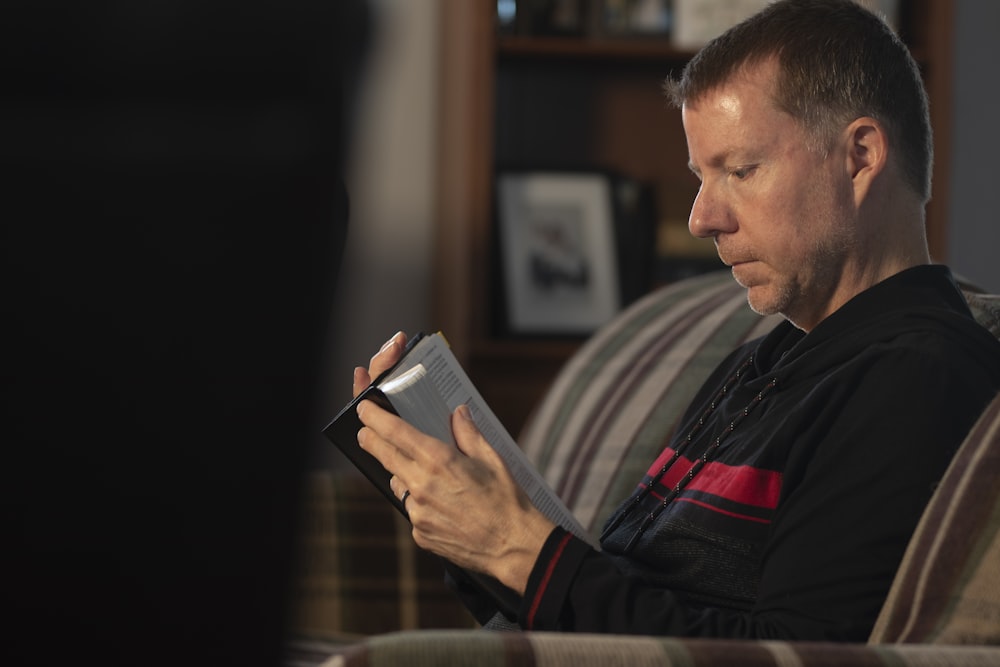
(615, 404)
(445, 648)
(947, 590)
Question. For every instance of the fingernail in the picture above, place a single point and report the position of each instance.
(391, 341)
(464, 412)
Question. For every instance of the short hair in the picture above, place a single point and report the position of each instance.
(837, 62)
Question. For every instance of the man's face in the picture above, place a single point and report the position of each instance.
(780, 213)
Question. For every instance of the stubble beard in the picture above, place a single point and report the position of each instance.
(770, 298)
(799, 295)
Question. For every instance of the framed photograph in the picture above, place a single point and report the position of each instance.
(559, 268)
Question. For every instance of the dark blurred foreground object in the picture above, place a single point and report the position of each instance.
(173, 219)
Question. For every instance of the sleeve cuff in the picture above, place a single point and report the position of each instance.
(551, 579)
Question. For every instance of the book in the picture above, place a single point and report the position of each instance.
(424, 387)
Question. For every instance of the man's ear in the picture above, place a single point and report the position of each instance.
(867, 154)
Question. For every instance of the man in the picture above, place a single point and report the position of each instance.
(807, 126)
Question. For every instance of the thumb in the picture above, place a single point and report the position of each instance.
(468, 437)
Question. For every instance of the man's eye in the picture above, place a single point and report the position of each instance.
(741, 172)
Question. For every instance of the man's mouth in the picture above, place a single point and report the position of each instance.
(734, 262)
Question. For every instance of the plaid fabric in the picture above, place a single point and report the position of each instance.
(947, 590)
(360, 572)
(449, 648)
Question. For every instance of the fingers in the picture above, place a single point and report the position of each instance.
(401, 447)
(386, 437)
(399, 489)
(468, 438)
(361, 380)
(462, 503)
(388, 355)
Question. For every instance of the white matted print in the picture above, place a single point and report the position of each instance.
(557, 240)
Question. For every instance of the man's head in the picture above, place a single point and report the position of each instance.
(810, 186)
(836, 62)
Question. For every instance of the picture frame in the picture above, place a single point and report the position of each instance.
(558, 251)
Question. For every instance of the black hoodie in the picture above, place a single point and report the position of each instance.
(786, 511)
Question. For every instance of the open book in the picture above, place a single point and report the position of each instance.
(424, 388)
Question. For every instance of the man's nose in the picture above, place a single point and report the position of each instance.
(709, 215)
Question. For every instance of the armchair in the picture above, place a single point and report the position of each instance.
(944, 606)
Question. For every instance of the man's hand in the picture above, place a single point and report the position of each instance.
(463, 503)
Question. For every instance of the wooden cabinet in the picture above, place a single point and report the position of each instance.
(582, 101)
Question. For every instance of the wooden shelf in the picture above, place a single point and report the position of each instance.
(501, 349)
(583, 48)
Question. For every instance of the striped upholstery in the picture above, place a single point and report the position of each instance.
(947, 590)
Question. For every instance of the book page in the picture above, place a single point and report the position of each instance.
(424, 409)
(430, 383)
